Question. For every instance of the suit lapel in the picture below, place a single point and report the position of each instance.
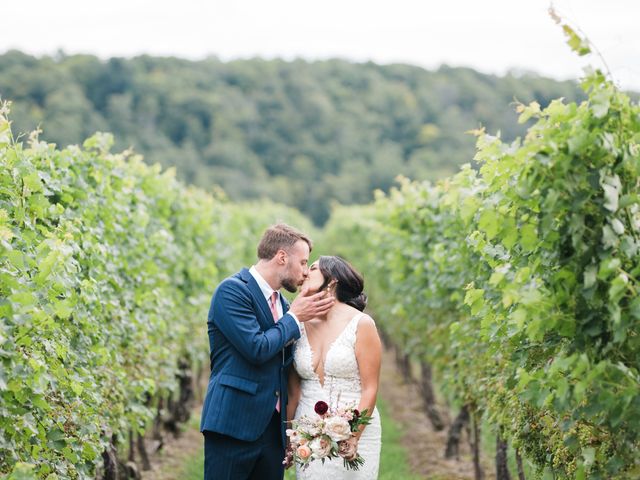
(285, 304)
(266, 319)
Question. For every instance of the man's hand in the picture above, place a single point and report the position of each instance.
(306, 306)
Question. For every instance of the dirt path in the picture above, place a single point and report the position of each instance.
(169, 462)
(425, 445)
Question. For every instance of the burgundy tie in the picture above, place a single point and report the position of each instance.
(274, 312)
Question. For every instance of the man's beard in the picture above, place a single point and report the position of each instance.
(289, 284)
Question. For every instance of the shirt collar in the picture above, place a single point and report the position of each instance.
(266, 289)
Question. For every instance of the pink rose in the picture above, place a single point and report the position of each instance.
(348, 449)
(320, 446)
(303, 452)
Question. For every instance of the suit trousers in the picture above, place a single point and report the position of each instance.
(227, 458)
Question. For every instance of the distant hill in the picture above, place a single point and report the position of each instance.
(302, 133)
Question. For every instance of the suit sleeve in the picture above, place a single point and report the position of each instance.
(233, 314)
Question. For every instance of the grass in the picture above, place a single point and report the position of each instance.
(393, 458)
(194, 468)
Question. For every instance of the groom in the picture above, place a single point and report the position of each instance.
(250, 326)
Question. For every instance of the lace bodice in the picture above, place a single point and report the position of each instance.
(341, 372)
(341, 386)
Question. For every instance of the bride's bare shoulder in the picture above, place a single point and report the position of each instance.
(367, 322)
(350, 313)
(367, 336)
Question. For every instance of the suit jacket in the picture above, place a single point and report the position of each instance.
(249, 360)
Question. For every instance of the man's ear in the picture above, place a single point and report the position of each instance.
(281, 257)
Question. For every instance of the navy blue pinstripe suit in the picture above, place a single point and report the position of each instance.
(244, 435)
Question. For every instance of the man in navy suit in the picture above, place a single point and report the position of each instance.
(251, 328)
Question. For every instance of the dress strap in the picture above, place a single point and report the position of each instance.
(352, 328)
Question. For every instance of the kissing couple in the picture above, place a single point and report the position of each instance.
(271, 362)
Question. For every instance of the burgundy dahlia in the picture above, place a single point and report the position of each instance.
(356, 415)
(321, 407)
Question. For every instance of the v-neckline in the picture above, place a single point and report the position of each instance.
(326, 355)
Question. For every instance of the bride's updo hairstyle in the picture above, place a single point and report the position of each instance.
(349, 283)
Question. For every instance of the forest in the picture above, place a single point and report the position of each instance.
(306, 134)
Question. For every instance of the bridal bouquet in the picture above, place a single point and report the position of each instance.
(326, 436)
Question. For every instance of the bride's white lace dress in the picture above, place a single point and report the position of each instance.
(341, 387)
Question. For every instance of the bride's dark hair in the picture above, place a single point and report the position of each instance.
(349, 283)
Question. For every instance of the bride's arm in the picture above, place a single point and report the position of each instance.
(369, 357)
(293, 392)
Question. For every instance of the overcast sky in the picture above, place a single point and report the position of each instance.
(489, 35)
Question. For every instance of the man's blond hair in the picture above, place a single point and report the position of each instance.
(280, 237)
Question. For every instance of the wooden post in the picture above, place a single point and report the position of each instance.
(429, 397)
(519, 466)
(477, 468)
(110, 459)
(142, 450)
(455, 433)
(132, 453)
(502, 468)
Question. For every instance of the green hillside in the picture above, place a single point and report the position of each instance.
(302, 133)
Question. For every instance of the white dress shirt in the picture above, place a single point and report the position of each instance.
(267, 291)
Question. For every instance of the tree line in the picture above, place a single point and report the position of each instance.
(306, 134)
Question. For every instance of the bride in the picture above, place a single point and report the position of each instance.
(337, 360)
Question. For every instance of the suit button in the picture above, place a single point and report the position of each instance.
(277, 394)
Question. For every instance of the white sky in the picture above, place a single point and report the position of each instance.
(489, 35)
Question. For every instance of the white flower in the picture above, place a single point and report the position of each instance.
(293, 435)
(308, 426)
(337, 428)
(347, 415)
(320, 446)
